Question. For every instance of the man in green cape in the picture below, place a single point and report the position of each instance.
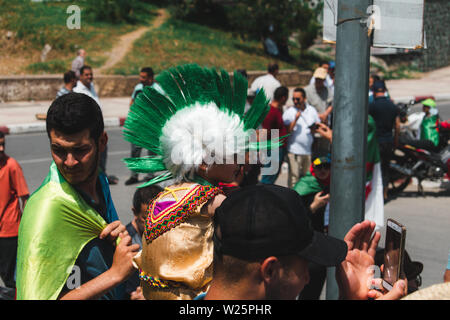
(70, 236)
(430, 122)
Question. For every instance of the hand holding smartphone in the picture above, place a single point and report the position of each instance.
(393, 253)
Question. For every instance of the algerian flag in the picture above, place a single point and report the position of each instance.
(56, 225)
(374, 186)
(428, 129)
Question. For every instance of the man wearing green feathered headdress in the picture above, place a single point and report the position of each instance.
(199, 133)
(71, 244)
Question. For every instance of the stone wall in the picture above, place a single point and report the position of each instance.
(437, 27)
(26, 88)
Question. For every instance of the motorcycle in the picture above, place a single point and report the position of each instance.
(415, 158)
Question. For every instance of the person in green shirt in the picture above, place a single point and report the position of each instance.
(430, 122)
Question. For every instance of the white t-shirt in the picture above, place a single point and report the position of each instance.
(268, 82)
(81, 88)
(301, 139)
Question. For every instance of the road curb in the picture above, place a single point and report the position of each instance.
(112, 122)
(437, 97)
(39, 127)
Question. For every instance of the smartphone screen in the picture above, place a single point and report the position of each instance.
(393, 253)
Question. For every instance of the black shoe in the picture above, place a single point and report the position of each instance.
(131, 180)
(113, 179)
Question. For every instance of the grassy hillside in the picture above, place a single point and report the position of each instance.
(178, 42)
(35, 24)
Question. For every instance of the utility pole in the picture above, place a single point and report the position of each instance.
(350, 114)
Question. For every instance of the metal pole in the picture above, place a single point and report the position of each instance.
(349, 124)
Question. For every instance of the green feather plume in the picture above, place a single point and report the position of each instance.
(183, 87)
(257, 112)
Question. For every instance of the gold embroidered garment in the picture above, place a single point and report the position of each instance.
(177, 252)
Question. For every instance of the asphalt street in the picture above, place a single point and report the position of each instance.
(426, 218)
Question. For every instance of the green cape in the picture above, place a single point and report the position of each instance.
(308, 184)
(428, 129)
(56, 224)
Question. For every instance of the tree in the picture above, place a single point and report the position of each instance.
(275, 21)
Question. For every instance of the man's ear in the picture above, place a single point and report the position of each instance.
(202, 169)
(269, 269)
(102, 141)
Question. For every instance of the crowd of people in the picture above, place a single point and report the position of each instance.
(205, 226)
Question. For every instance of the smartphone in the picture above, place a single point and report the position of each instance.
(394, 249)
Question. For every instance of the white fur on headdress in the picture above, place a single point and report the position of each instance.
(198, 134)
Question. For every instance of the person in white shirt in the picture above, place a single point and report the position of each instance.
(300, 121)
(268, 81)
(329, 82)
(78, 62)
(85, 85)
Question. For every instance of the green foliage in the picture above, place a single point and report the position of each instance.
(256, 19)
(205, 12)
(118, 11)
(53, 66)
(179, 42)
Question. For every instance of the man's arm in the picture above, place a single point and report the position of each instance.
(291, 126)
(324, 116)
(120, 270)
(396, 131)
(23, 200)
(447, 275)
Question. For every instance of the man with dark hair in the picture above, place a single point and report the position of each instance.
(263, 241)
(141, 199)
(300, 121)
(386, 116)
(274, 121)
(70, 236)
(13, 196)
(268, 82)
(145, 79)
(86, 86)
(70, 81)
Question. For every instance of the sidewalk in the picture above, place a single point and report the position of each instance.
(20, 117)
(435, 83)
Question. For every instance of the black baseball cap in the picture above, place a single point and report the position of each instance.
(379, 86)
(259, 221)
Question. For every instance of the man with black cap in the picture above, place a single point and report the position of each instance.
(386, 116)
(263, 241)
